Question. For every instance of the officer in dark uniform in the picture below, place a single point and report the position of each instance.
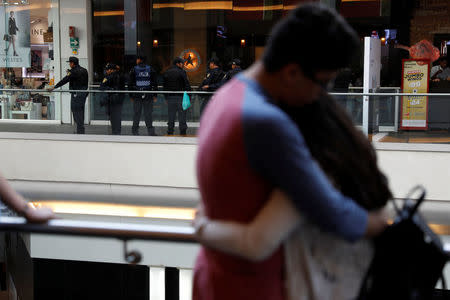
(77, 77)
(212, 80)
(142, 78)
(175, 79)
(113, 101)
(235, 69)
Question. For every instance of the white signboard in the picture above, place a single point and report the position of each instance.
(38, 28)
(372, 63)
(15, 33)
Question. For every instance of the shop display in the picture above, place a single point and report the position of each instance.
(16, 37)
(24, 105)
(28, 60)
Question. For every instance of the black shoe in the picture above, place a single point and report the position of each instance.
(151, 132)
(182, 132)
(170, 133)
(135, 133)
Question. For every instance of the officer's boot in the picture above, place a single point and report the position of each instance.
(151, 131)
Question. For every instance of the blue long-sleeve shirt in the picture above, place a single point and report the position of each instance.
(245, 138)
(278, 152)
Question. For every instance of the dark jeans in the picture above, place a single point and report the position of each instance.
(115, 114)
(147, 104)
(205, 100)
(175, 106)
(77, 102)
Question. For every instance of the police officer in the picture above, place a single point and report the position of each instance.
(142, 78)
(77, 77)
(235, 69)
(214, 75)
(212, 80)
(175, 79)
(113, 101)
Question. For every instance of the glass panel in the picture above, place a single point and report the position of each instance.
(28, 105)
(100, 108)
(29, 59)
(160, 107)
(430, 125)
(353, 106)
(163, 30)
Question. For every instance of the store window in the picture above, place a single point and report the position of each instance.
(28, 58)
(161, 30)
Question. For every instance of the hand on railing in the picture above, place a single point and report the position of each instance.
(199, 221)
(21, 206)
(37, 215)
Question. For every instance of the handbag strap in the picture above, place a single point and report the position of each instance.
(419, 200)
(411, 210)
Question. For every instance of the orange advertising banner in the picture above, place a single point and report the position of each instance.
(414, 109)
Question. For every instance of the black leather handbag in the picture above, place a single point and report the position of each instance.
(6, 38)
(409, 257)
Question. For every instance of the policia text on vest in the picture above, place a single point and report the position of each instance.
(142, 78)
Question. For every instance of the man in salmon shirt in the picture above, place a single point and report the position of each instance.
(248, 146)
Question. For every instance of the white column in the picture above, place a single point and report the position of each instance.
(157, 283)
(372, 69)
(130, 31)
(77, 14)
(186, 284)
(53, 18)
(365, 112)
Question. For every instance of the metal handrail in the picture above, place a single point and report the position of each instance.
(380, 88)
(393, 94)
(121, 231)
(209, 93)
(104, 91)
(159, 86)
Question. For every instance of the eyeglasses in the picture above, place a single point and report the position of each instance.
(325, 85)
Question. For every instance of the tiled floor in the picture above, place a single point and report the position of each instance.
(420, 137)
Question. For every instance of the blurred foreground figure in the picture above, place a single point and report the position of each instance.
(254, 165)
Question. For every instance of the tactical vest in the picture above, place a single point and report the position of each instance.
(143, 77)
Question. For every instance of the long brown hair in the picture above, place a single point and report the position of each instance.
(343, 151)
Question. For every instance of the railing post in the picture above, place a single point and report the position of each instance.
(157, 283)
(397, 98)
(186, 284)
(365, 116)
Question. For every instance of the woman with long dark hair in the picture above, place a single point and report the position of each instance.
(12, 32)
(318, 264)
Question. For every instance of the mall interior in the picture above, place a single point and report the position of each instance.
(125, 203)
